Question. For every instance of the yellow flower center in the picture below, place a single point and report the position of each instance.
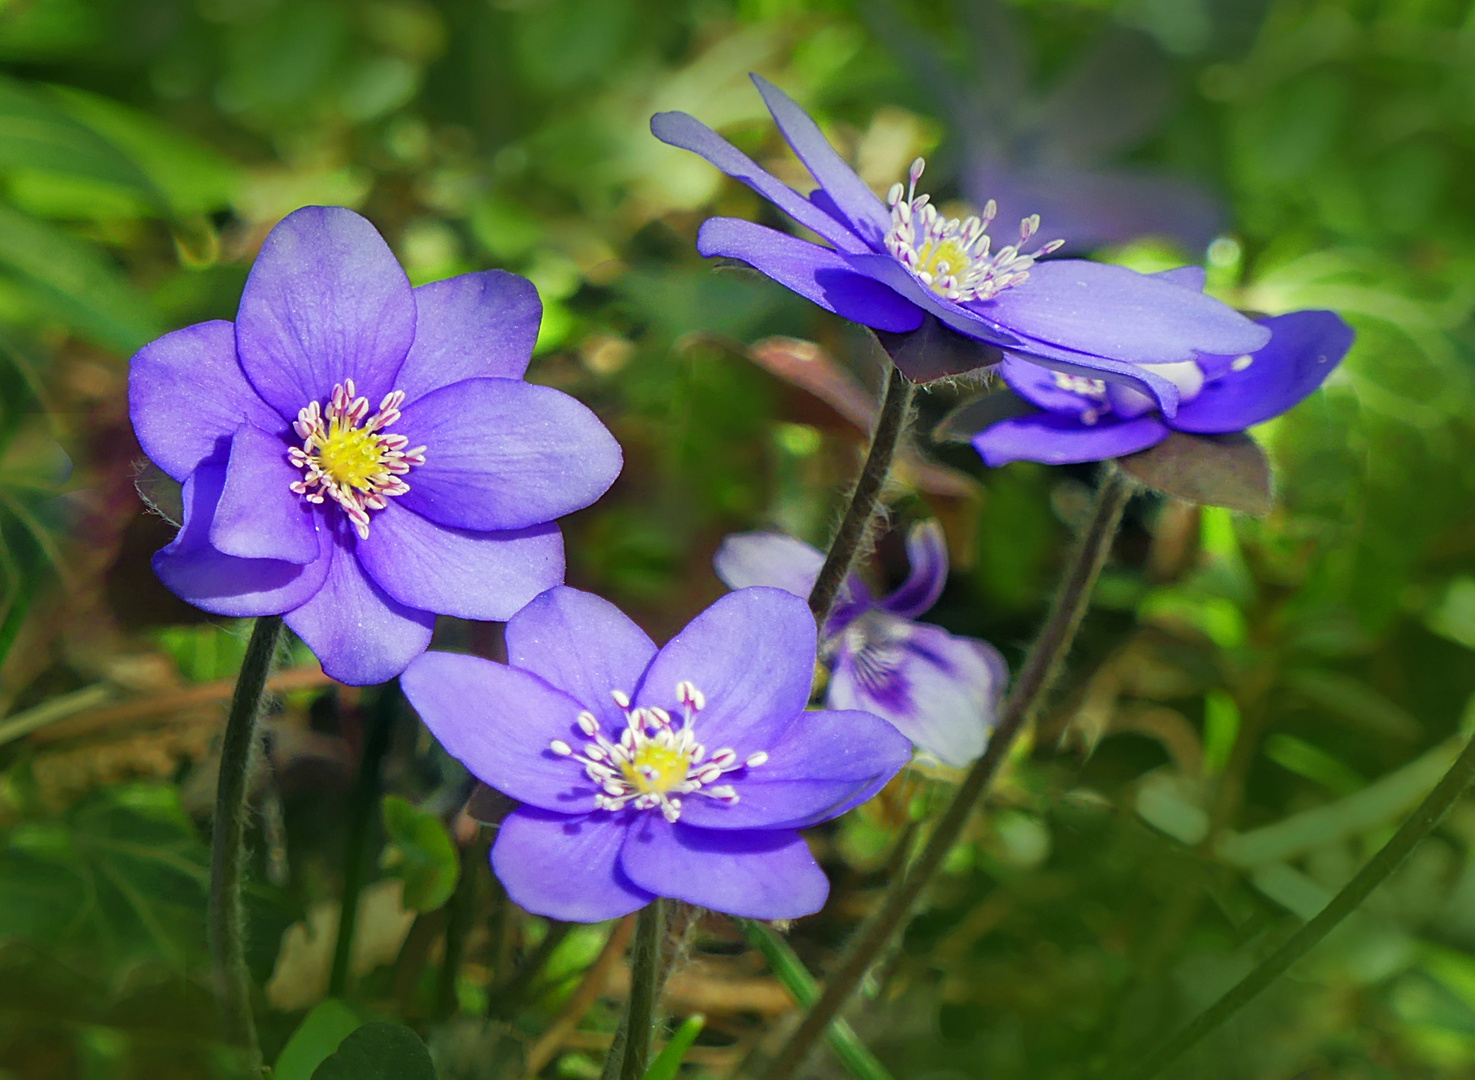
(941, 260)
(656, 768)
(351, 456)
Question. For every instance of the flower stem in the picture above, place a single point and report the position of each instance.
(228, 841)
(1419, 824)
(645, 962)
(362, 805)
(896, 407)
(1035, 678)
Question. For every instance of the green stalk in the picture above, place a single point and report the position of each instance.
(228, 841)
(645, 962)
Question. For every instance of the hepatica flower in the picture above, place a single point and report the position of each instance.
(360, 455)
(942, 692)
(1080, 419)
(682, 772)
(888, 265)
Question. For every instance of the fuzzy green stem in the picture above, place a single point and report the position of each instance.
(362, 817)
(1419, 824)
(645, 962)
(228, 841)
(896, 408)
(1035, 678)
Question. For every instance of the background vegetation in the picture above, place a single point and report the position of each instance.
(1254, 705)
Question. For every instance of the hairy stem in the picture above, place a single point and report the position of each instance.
(362, 806)
(1419, 824)
(645, 962)
(1035, 677)
(895, 408)
(228, 840)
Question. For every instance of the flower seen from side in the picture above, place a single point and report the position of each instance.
(940, 690)
(359, 455)
(891, 266)
(683, 772)
(1078, 420)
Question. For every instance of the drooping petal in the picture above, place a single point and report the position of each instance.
(891, 273)
(499, 722)
(472, 575)
(687, 132)
(1058, 440)
(765, 558)
(222, 584)
(1074, 396)
(1305, 347)
(475, 326)
(1144, 378)
(757, 874)
(1113, 312)
(187, 395)
(751, 654)
(584, 645)
(565, 867)
(927, 553)
(942, 692)
(326, 301)
(815, 273)
(867, 215)
(825, 763)
(504, 454)
(358, 632)
(259, 516)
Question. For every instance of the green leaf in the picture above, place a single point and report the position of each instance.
(319, 1034)
(669, 1059)
(422, 853)
(378, 1052)
(75, 283)
(36, 134)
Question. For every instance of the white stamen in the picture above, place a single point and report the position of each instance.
(1241, 362)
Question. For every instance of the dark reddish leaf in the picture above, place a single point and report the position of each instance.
(1212, 470)
(932, 352)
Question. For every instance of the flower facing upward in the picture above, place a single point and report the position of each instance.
(888, 267)
(360, 455)
(681, 772)
(941, 691)
(1089, 420)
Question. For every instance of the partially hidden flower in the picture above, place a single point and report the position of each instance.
(1077, 419)
(360, 455)
(940, 690)
(683, 772)
(889, 265)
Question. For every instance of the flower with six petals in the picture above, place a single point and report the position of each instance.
(359, 455)
(682, 772)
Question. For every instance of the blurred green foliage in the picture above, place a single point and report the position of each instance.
(1252, 707)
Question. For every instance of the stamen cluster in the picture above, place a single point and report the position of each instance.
(656, 760)
(951, 256)
(347, 455)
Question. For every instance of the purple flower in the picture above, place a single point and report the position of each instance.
(1089, 420)
(360, 455)
(942, 692)
(684, 772)
(888, 267)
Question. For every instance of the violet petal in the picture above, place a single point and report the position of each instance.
(471, 575)
(1305, 347)
(1058, 440)
(1040, 386)
(499, 722)
(688, 133)
(325, 302)
(815, 273)
(756, 874)
(480, 325)
(765, 558)
(504, 454)
(565, 867)
(259, 516)
(585, 646)
(358, 632)
(927, 554)
(222, 584)
(187, 395)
